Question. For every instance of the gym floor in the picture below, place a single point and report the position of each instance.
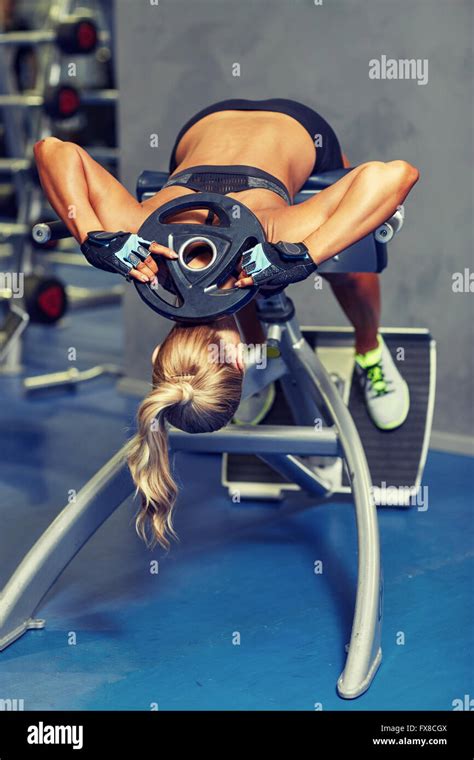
(168, 638)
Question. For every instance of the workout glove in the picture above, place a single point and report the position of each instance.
(115, 251)
(275, 264)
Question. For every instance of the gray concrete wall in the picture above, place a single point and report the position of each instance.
(176, 57)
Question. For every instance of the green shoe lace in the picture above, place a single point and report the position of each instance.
(371, 364)
(377, 380)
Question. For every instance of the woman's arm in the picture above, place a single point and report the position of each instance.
(371, 198)
(64, 186)
(87, 197)
(341, 214)
(71, 180)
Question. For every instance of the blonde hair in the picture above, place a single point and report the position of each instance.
(190, 392)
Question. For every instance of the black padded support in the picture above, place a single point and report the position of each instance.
(150, 182)
(367, 255)
(319, 181)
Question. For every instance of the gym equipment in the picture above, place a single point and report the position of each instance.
(12, 170)
(395, 459)
(12, 328)
(70, 378)
(200, 296)
(74, 35)
(11, 230)
(47, 232)
(311, 371)
(61, 101)
(45, 298)
(367, 255)
(42, 245)
(386, 231)
(26, 118)
(16, 318)
(13, 165)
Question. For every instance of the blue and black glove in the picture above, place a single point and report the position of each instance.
(115, 251)
(278, 264)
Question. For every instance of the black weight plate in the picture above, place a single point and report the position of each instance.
(238, 230)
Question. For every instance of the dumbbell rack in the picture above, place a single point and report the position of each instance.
(23, 127)
(17, 318)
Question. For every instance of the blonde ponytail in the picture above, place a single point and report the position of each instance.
(190, 392)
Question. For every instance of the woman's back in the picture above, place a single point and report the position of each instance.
(273, 142)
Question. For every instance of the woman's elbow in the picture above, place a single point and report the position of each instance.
(406, 174)
(45, 146)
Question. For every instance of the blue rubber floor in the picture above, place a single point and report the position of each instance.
(235, 618)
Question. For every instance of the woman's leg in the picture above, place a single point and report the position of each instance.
(250, 325)
(358, 294)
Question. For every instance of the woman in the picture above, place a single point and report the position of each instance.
(261, 153)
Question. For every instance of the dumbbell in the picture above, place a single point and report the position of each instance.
(74, 35)
(44, 298)
(60, 102)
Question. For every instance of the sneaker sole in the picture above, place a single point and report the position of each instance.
(264, 410)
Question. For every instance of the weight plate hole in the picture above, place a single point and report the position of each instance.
(197, 253)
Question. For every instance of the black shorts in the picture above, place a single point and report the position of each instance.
(328, 155)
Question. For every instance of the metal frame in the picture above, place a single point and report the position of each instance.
(279, 446)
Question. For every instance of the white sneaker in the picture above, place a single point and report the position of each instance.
(254, 409)
(386, 393)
